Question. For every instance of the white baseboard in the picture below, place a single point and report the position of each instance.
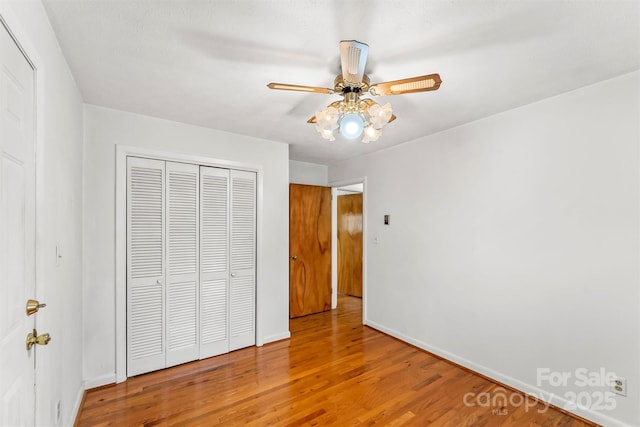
(76, 406)
(277, 337)
(99, 381)
(528, 389)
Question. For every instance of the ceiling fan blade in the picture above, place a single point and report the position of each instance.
(297, 88)
(354, 58)
(410, 85)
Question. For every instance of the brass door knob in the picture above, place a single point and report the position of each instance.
(33, 306)
(33, 338)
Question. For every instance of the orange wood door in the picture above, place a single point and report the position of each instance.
(309, 249)
(350, 244)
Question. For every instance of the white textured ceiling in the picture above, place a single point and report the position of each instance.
(208, 62)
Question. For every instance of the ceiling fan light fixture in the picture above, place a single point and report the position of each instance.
(353, 118)
(327, 122)
(380, 115)
(371, 134)
(351, 125)
(328, 118)
(326, 134)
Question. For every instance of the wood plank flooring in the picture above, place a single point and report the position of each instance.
(333, 371)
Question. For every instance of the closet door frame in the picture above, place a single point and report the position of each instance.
(124, 151)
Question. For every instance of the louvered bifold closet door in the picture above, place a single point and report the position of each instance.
(182, 263)
(214, 261)
(243, 260)
(145, 265)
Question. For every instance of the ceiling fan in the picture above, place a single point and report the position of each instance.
(354, 116)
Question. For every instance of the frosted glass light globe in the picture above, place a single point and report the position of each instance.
(351, 125)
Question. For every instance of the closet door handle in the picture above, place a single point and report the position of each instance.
(233, 274)
(159, 282)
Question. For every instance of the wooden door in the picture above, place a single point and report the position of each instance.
(309, 249)
(350, 244)
(17, 234)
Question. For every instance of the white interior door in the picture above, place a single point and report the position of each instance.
(182, 263)
(214, 261)
(17, 233)
(242, 299)
(191, 262)
(145, 265)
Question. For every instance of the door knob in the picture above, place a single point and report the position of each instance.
(233, 274)
(33, 306)
(33, 338)
(295, 257)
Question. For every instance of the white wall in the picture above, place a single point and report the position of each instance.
(59, 214)
(307, 173)
(514, 242)
(104, 128)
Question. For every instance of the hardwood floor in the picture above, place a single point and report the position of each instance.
(333, 371)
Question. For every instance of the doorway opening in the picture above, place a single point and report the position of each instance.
(349, 242)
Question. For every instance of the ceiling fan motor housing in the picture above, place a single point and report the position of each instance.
(340, 86)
